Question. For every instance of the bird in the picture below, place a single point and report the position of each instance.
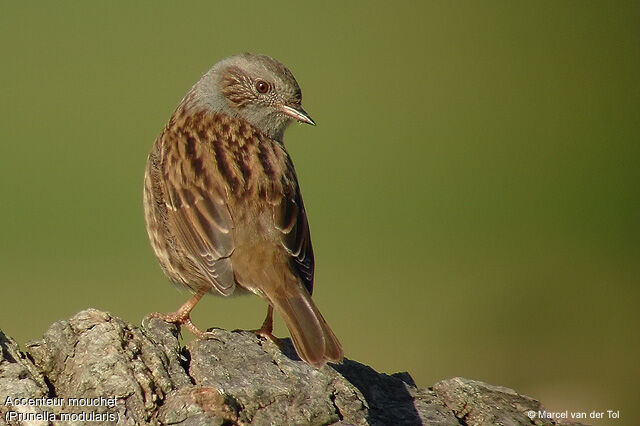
(222, 205)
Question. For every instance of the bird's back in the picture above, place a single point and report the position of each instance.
(211, 158)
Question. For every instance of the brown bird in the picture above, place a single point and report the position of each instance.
(222, 204)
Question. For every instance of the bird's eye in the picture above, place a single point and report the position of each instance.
(262, 86)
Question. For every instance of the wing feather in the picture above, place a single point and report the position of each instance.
(201, 221)
(290, 218)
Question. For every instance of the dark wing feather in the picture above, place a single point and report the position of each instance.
(291, 219)
(201, 223)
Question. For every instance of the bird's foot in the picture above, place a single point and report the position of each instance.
(183, 315)
(260, 332)
(180, 319)
(267, 334)
(266, 330)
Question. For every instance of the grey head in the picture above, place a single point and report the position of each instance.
(254, 87)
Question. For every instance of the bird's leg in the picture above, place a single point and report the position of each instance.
(183, 315)
(266, 330)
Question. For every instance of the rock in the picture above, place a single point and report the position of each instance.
(478, 403)
(19, 379)
(104, 370)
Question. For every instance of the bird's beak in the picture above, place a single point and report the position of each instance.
(297, 114)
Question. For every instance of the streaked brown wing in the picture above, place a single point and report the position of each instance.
(200, 220)
(291, 219)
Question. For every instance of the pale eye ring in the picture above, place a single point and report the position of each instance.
(262, 86)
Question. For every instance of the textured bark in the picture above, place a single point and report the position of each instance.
(229, 378)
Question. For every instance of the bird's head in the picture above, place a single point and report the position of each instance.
(254, 87)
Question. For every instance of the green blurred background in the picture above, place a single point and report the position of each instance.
(472, 184)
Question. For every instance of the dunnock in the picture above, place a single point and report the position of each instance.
(222, 204)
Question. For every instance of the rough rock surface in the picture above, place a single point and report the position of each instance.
(124, 374)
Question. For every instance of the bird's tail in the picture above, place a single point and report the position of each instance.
(314, 341)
